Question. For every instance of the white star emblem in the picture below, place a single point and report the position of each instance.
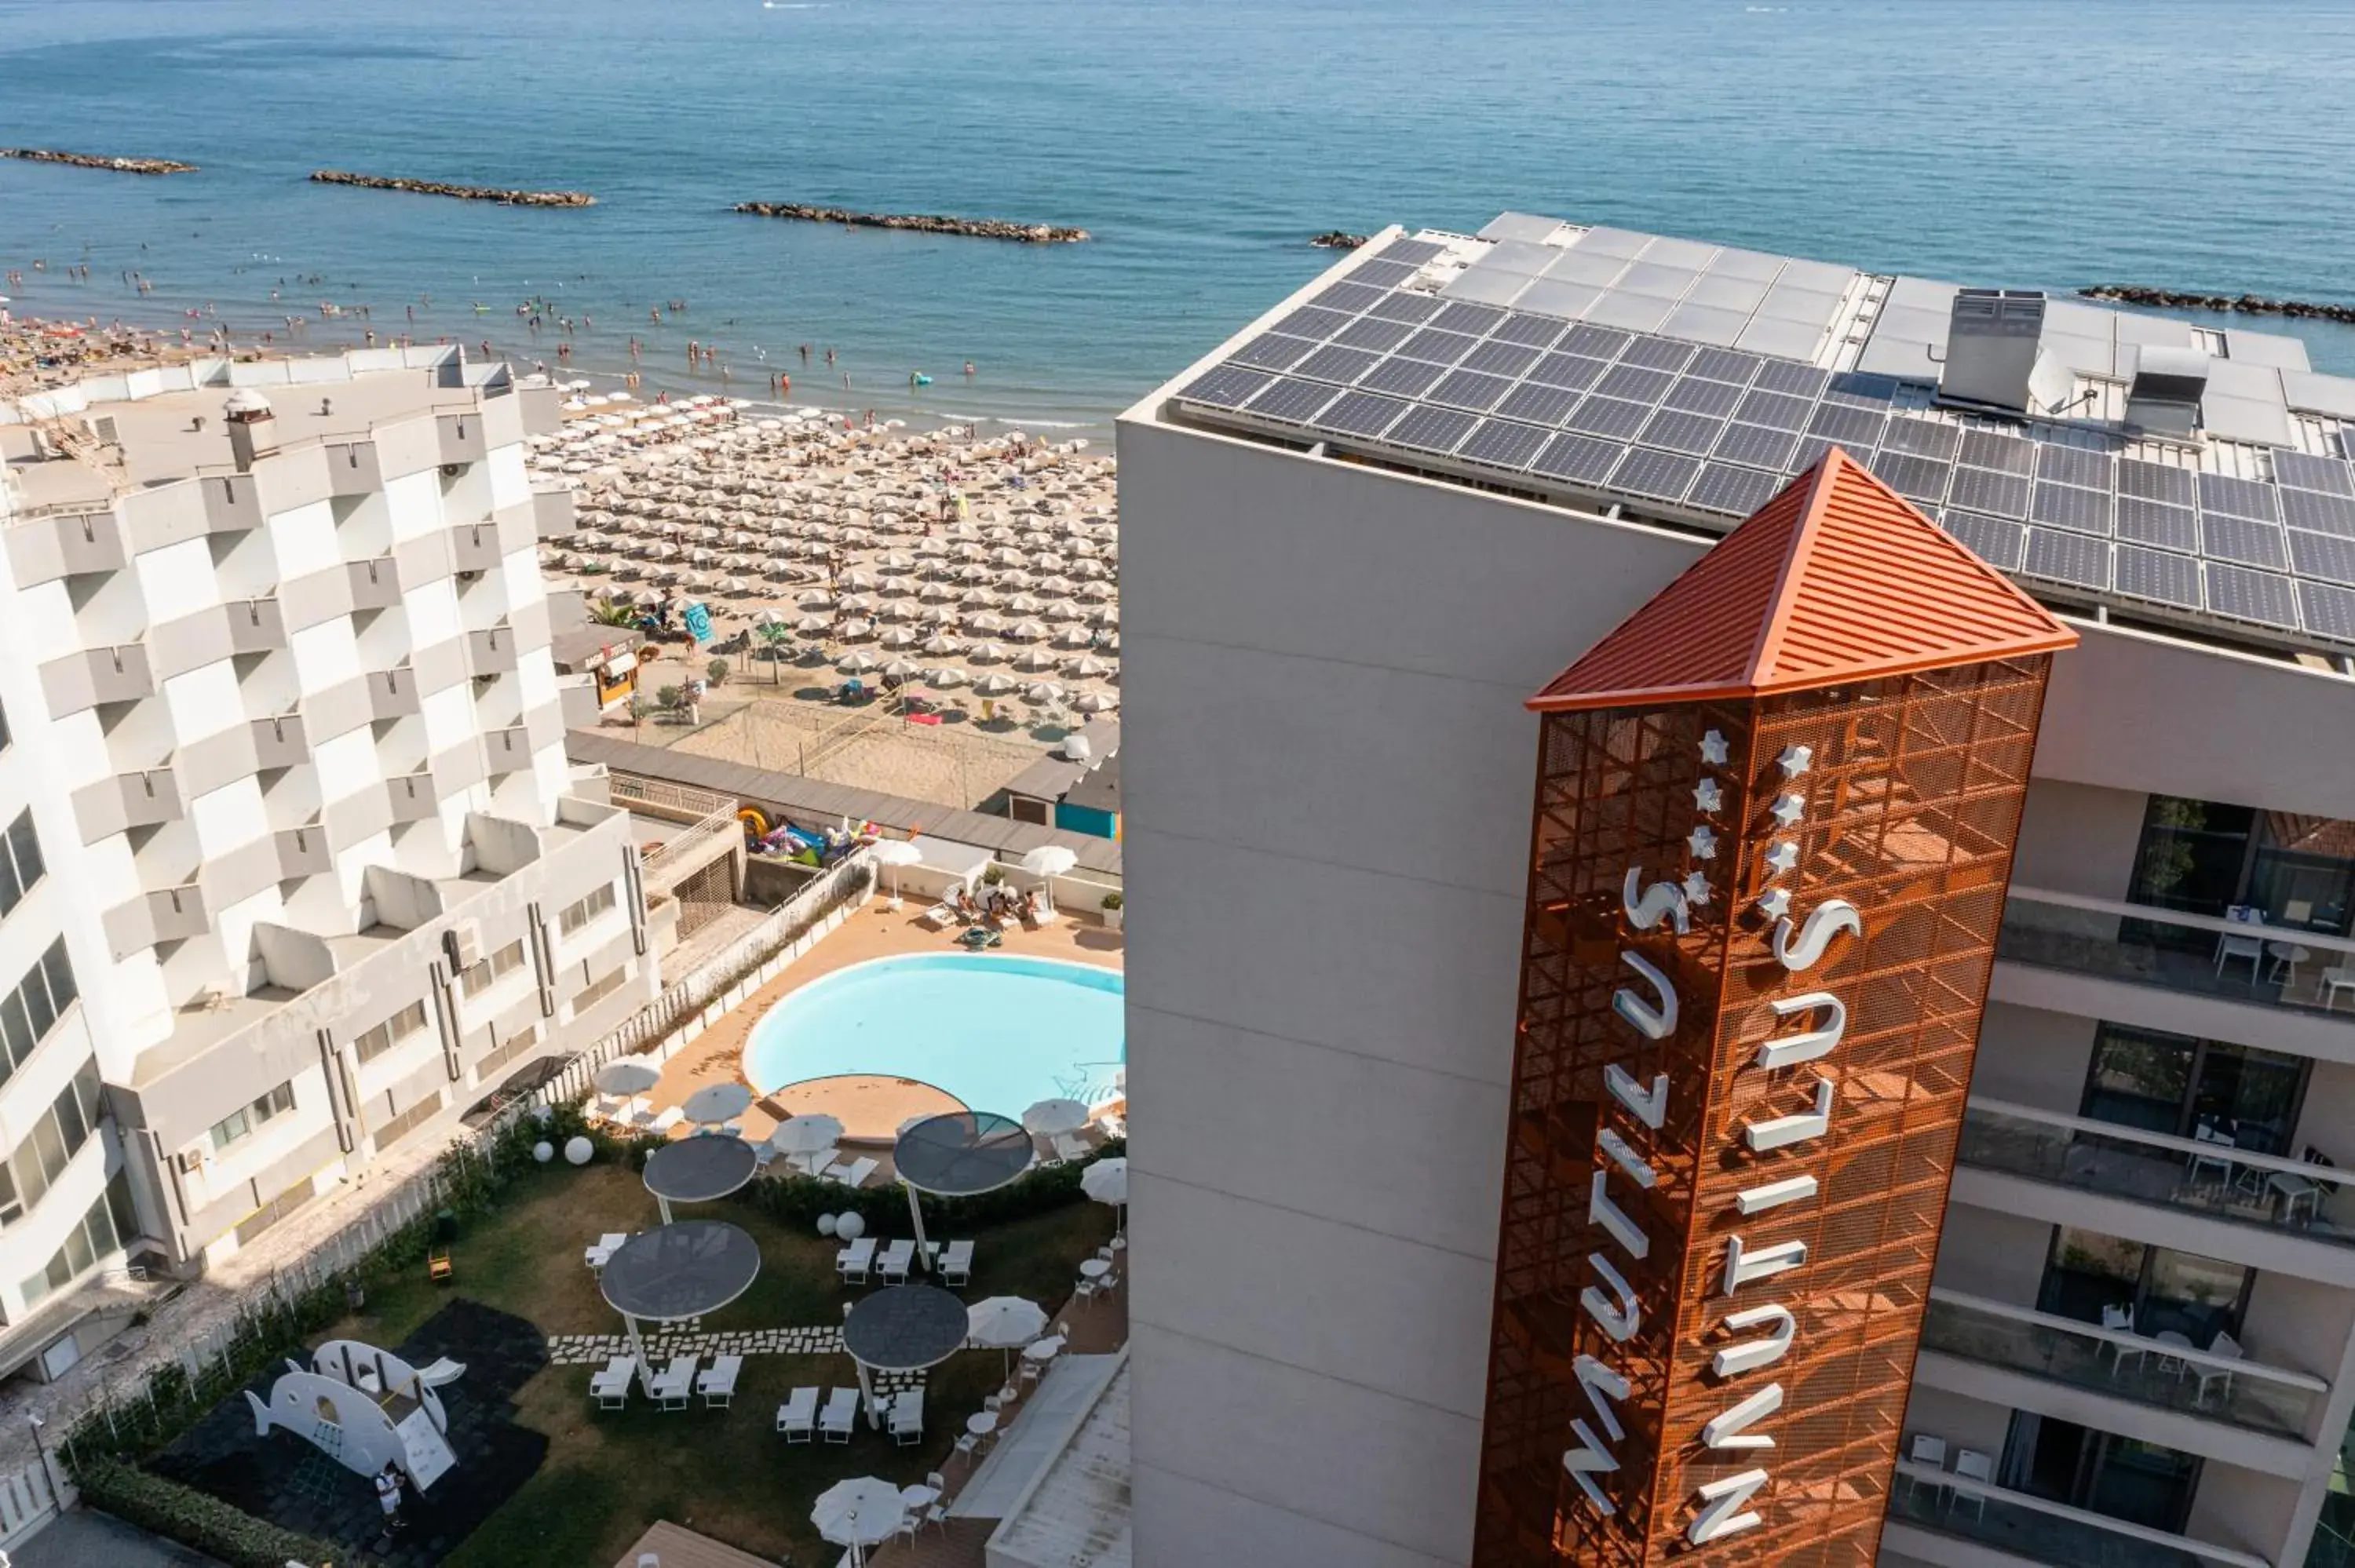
(1783, 857)
(1714, 748)
(1775, 903)
(1708, 797)
(1696, 889)
(1796, 759)
(1790, 809)
(1702, 842)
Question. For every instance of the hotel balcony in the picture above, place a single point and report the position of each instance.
(220, 631)
(280, 742)
(491, 652)
(141, 800)
(353, 468)
(552, 511)
(94, 676)
(1926, 1505)
(302, 852)
(476, 547)
(506, 750)
(2289, 987)
(392, 694)
(72, 544)
(2157, 1373)
(412, 796)
(374, 583)
(460, 437)
(168, 915)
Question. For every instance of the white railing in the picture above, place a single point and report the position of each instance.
(2190, 1148)
(685, 851)
(1955, 1521)
(2305, 1382)
(29, 1499)
(637, 789)
(2156, 916)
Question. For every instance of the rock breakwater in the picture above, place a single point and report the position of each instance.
(88, 161)
(463, 193)
(2247, 304)
(1337, 239)
(919, 223)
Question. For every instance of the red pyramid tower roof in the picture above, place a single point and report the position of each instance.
(1836, 578)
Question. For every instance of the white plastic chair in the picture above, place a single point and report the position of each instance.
(2120, 1320)
(2223, 1345)
(1926, 1451)
(1970, 1464)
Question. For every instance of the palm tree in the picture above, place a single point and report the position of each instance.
(608, 612)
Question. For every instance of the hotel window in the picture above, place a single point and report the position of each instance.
(2197, 1296)
(408, 1122)
(94, 1236)
(247, 1120)
(20, 862)
(31, 1007)
(50, 1147)
(513, 1046)
(390, 1033)
(2206, 858)
(596, 993)
(587, 909)
(478, 978)
(2175, 1084)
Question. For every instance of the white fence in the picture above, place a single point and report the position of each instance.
(28, 1500)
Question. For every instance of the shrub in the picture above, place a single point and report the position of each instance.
(196, 1518)
(1113, 901)
(669, 697)
(994, 875)
(715, 672)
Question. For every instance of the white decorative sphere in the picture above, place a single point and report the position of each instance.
(826, 1225)
(543, 1151)
(850, 1227)
(579, 1149)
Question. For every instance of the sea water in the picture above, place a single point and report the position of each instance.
(2182, 143)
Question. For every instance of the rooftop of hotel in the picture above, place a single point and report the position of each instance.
(2157, 470)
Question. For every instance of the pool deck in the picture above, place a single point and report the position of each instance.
(876, 931)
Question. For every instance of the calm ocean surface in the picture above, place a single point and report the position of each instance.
(2049, 143)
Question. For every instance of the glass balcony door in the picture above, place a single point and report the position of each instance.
(2099, 1471)
(2184, 1087)
(2087, 1273)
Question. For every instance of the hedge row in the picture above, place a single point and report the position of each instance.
(197, 1519)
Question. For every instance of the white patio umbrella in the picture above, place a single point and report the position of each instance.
(1005, 1324)
(1049, 860)
(716, 1102)
(858, 1513)
(1045, 693)
(858, 662)
(903, 669)
(626, 1077)
(1096, 703)
(1054, 1118)
(1106, 1181)
(807, 1134)
(995, 686)
(895, 853)
(948, 675)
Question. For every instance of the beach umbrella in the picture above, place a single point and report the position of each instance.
(771, 618)
(1004, 1323)
(854, 627)
(716, 1102)
(626, 1077)
(944, 645)
(858, 661)
(1087, 666)
(1036, 662)
(1096, 703)
(1054, 1118)
(1049, 860)
(814, 625)
(1074, 637)
(900, 638)
(988, 653)
(948, 675)
(858, 1513)
(1026, 630)
(995, 686)
(1044, 692)
(895, 853)
(903, 669)
(798, 1137)
(1106, 1180)
(986, 621)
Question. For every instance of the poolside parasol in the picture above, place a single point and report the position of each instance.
(718, 1103)
(1005, 1324)
(1106, 1181)
(1052, 1117)
(858, 1513)
(626, 1077)
(895, 853)
(797, 1137)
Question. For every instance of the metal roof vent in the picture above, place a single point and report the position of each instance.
(1991, 337)
(2164, 397)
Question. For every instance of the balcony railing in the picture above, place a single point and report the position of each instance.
(2045, 1531)
(2273, 966)
(2165, 1375)
(2212, 1179)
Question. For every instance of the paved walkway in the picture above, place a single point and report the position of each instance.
(82, 1538)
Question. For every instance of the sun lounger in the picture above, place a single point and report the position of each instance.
(853, 1261)
(957, 1263)
(718, 1386)
(939, 916)
(854, 1174)
(797, 1417)
(841, 1413)
(897, 1258)
(907, 1417)
(611, 1387)
(678, 1381)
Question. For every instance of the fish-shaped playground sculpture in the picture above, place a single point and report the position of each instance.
(365, 1408)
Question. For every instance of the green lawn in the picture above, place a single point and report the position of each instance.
(725, 1473)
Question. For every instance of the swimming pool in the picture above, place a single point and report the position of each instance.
(998, 1033)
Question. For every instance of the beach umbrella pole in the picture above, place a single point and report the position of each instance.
(866, 1396)
(639, 1351)
(916, 1212)
(663, 1204)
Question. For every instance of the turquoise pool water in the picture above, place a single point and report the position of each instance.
(998, 1033)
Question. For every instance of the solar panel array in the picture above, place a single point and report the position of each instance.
(1675, 427)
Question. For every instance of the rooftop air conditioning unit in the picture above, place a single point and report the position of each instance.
(2164, 397)
(192, 1159)
(1991, 337)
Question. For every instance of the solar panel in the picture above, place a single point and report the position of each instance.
(1922, 437)
(1439, 347)
(1797, 380)
(1635, 382)
(2003, 454)
(1372, 332)
(1921, 480)
(1813, 449)
(2301, 471)
(2238, 497)
(2245, 541)
(1599, 342)
(1470, 389)
(1293, 402)
(2066, 506)
(1998, 541)
(1361, 414)
(1348, 296)
(1736, 492)
(1413, 252)
(1430, 429)
(1657, 354)
(2322, 555)
(2329, 612)
(2168, 528)
(1273, 350)
(1381, 273)
(1694, 434)
(1503, 442)
(1756, 446)
(1579, 458)
(1407, 377)
(2075, 465)
(1333, 363)
(1725, 365)
(1312, 322)
(1228, 387)
(2265, 598)
(2157, 576)
(1412, 308)
(2157, 481)
(1984, 490)
(1604, 416)
(1853, 386)
(1501, 358)
(1663, 475)
(1574, 371)
(1540, 404)
(1781, 412)
(1859, 426)
(2071, 558)
(1695, 396)
(1520, 326)
(2317, 512)
(1476, 320)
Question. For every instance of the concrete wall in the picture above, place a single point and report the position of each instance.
(2033, 1056)
(2078, 838)
(1999, 1256)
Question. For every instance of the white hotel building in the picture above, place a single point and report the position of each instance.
(1361, 532)
(295, 868)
